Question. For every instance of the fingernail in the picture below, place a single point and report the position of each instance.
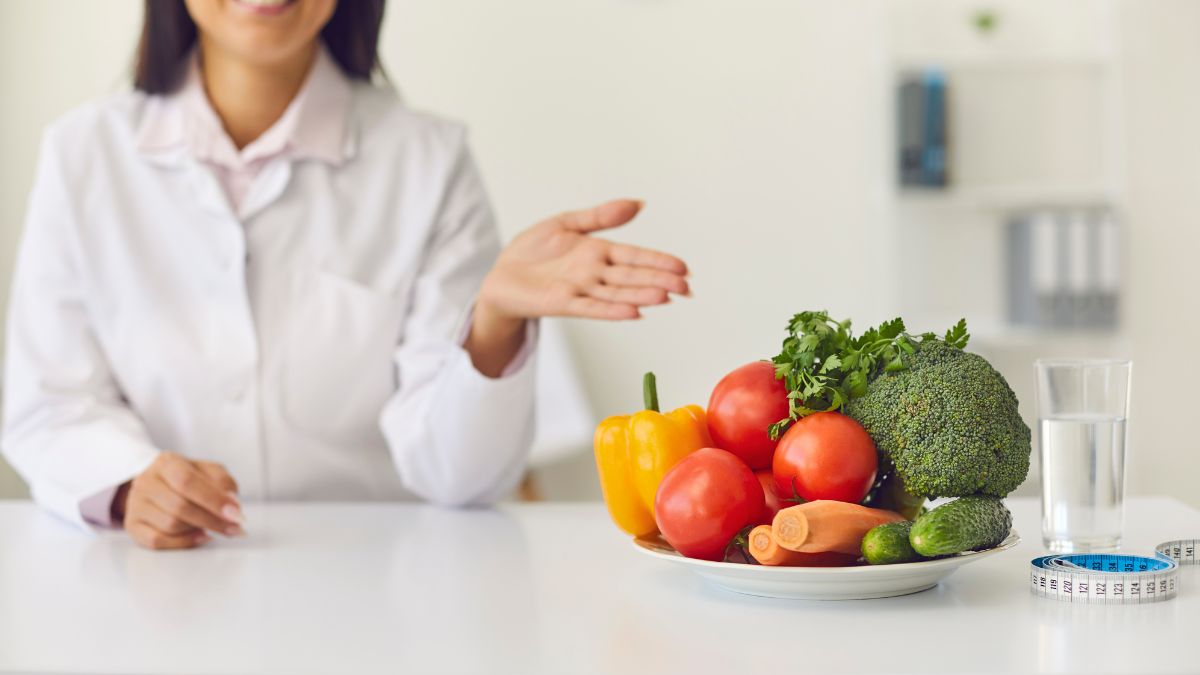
(640, 202)
(234, 531)
(232, 513)
(202, 538)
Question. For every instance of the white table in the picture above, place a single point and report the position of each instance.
(336, 588)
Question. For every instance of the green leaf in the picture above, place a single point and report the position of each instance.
(836, 402)
(776, 429)
(856, 384)
(850, 360)
(891, 329)
(824, 365)
(958, 336)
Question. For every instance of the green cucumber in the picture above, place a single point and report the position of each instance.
(887, 544)
(970, 523)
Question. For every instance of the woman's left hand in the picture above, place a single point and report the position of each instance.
(555, 268)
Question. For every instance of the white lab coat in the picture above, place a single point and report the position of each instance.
(310, 344)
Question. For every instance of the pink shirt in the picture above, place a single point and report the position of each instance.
(310, 127)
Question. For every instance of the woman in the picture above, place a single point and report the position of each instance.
(259, 265)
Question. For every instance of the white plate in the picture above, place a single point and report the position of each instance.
(823, 583)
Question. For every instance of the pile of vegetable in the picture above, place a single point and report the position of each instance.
(826, 454)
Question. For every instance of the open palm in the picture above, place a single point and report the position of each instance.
(557, 268)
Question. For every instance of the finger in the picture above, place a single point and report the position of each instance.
(184, 478)
(217, 474)
(624, 254)
(591, 308)
(160, 519)
(625, 275)
(148, 536)
(640, 296)
(603, 217)
(174, 505)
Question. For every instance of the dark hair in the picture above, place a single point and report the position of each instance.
(168, 35)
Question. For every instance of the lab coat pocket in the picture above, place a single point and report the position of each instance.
(339, 364)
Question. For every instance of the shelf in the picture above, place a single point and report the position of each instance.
(1003, 63)
(1007, 198)
(1014, 337)
(996, 334)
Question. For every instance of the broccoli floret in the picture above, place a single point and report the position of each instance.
(948, 424)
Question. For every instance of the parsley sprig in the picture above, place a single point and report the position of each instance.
(824, 365)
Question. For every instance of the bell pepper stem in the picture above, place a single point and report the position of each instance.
(650, 392)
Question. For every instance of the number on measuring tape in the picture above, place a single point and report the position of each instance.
(1110, 578)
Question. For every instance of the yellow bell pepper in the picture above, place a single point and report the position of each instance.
(634, 452)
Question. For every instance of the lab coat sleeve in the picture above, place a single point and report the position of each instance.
(457, 437)
(66, 427)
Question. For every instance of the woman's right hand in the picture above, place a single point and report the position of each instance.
(176, 502)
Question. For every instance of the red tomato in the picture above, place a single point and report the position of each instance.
(826, 456)
(706, 499)
(743, 404)
(771, 500)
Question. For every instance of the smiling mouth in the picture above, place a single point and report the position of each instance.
(265, 7)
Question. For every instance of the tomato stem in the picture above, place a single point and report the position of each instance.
(650, 392)
(740, 542)
(795, 498)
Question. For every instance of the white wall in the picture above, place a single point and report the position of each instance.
(1163, 110)
(751, 127)
(732, 121)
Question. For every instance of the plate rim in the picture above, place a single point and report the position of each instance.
(644, 546)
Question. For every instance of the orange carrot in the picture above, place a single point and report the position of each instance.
(763, 547)
(827, 525)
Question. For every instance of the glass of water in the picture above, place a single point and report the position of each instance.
(1082, 406)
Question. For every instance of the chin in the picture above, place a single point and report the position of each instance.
(261, 31)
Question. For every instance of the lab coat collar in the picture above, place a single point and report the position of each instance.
(315, 125)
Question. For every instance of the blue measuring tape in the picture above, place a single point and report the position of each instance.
(1111, 578)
